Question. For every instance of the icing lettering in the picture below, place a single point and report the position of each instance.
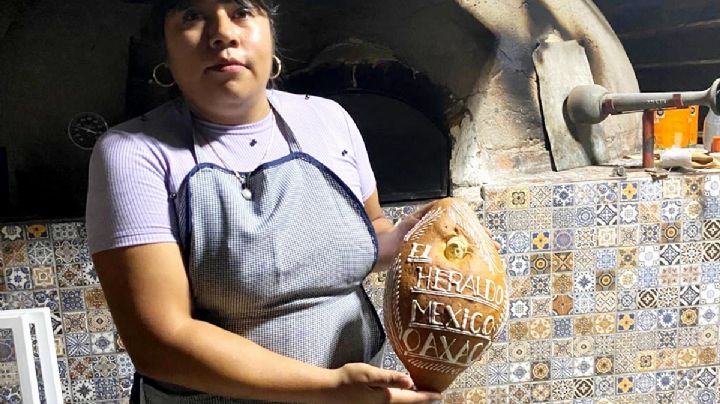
(436, 279)
(424, 257)
(443, 315)
(449, 350)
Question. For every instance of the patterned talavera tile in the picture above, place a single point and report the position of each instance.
(692, 210)
(71, 251)
(495, 198)
(518, 220)
(518, 198)
(629, 191)
(614, 296)
(712, 185)
(563, 195)
(78, 344)
(83, 390)
(541, 196)
(18, 278)
(606, 192)
(40, 253)
(49, 298)
(11, 233)
(43, 277)
(628, 235)
(36, 231)
(15, 253)
(650, 190)
(585, 194)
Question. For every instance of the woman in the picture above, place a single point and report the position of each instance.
(241, 286)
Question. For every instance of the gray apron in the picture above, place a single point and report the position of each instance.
(283, 269)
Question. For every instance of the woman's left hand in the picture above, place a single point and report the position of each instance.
(391, 240)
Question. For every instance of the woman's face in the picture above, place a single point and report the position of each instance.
(219, 52)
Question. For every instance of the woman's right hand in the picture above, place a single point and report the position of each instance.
(362, 383)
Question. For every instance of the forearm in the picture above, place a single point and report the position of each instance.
(203, 357)
(387, 243)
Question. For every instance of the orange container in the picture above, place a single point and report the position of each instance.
(676, 127)
(715, 147)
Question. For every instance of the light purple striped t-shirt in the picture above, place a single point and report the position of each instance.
(137, 165)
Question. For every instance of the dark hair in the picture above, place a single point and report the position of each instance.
(161, 8)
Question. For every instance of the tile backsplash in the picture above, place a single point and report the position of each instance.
(614, 297)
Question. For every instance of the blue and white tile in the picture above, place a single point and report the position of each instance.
(665, 381)
(518, 220)
(606, 258)
(562, 368)
(102, 343)
(606, 215)
(648, 277)
(563, 195)
(650, 191)
(628, 213)
(564, 218)
(583, 302)
(712, 186)
(650, 233)
(519, 372)
(18, 278)
(518, 265)
(518, 242)
(649, 256)
(83, 390)
(706, 396)
(64, 231)
(585, 194)
(72, 300)
(49, 298)
(607, 193)
(709, 315)
(671, 211)
(667, 318)
(106, 388)
(670, 254)
(711, 208)
(563, 240)
(78, 344)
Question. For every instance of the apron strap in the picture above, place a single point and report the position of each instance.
(283, 126)
(201, 157)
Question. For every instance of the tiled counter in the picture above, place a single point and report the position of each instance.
(614, 295)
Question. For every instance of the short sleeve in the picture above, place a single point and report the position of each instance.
(127, 200)
(365, 171)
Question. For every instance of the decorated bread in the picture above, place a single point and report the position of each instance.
(445, 295)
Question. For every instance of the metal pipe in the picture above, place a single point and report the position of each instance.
(592, 103)
(648, 143)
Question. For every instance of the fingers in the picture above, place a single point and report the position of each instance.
(416, 397)
(388, 378)
(422, 211)
(411, 220)
(418, 214)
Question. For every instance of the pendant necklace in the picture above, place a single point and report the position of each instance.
(243, 177)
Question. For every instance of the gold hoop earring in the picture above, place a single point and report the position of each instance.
(155, 77)
(279, 68)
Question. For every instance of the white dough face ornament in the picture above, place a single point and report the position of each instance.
(445, 295)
